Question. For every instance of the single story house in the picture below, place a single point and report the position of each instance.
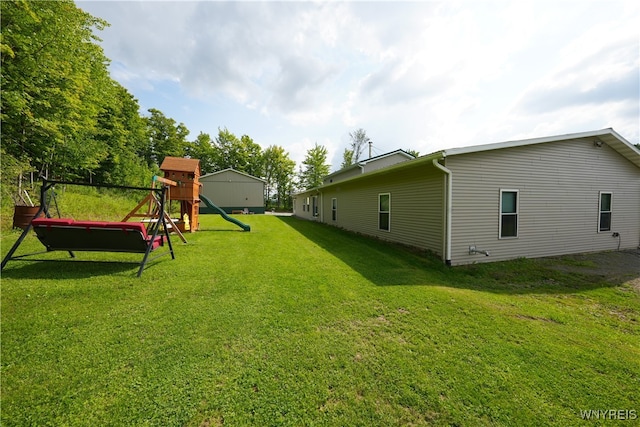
(529, 198)
(310, 202)
(233, 191)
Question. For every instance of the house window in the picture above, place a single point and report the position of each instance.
(305, 205)
(384, 211)
(508, 213)
(604, 223)
(334, 209)
(314, 200)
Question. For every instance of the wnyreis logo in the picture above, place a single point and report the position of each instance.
(609, 414)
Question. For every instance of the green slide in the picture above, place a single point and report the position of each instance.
(224, 215)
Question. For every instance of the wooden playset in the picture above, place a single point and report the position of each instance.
(186, 174)
(149, 208)
(181, 182)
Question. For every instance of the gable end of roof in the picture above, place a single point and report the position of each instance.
(234, 171)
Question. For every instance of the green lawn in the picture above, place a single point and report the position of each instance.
(300, 324)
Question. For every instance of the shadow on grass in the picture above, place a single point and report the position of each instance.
(65, 269)
(219, 230)
(389, 264)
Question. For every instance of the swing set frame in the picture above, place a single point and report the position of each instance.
(68, 235)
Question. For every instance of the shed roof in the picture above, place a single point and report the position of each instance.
(234, 171)
(180, 164)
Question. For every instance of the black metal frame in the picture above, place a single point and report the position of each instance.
(153, 229)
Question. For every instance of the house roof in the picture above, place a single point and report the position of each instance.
(607, 136)
(381, 156)
(361, 163)
(234, 171)
(180, 164)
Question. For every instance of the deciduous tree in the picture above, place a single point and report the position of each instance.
(359, 140)
(314, 168)
(252, 156)
(242, 154)
(347, 158)
(204, 150)
(54, 84)
(122, 131)
(279, 172)
(165, 138)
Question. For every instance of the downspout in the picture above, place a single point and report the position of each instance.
(448, 204)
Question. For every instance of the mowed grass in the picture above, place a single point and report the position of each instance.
(296, 323)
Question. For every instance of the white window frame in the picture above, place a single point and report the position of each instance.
(334, 209)
(600, 211)
(516, 213)
(388, 229)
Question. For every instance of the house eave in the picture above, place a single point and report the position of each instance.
(607, 136)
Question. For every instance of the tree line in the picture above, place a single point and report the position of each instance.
(64, 117)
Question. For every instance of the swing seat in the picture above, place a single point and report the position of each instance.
(65, 234)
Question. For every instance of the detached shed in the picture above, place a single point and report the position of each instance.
(233, 191)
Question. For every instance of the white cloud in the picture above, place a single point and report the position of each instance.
(418, 75)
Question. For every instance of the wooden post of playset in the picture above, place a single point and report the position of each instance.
(155, 207)
(186, 173)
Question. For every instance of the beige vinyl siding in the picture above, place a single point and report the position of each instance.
(559, 186)
(300, 200)
(346, 174)
(416, 218)
(236, 194)
(233, 189)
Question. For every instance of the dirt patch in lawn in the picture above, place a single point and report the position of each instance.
(616, 266)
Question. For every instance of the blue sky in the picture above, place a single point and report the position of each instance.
(414, 75)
